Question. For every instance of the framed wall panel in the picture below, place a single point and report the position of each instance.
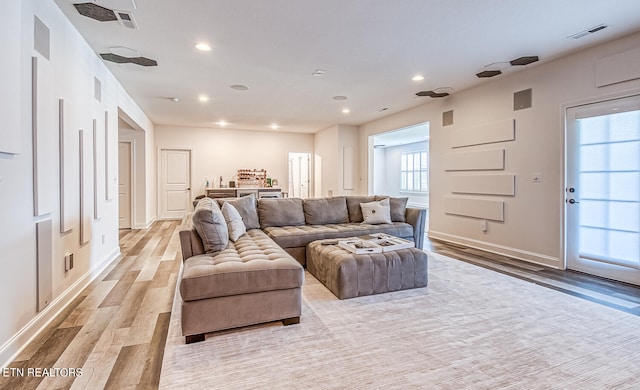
(97, 171)
(43, 107)
(484, 134)
(347, 168)
(475, 208)
(44, 259)
(10, 18)
(65, 153)
(85, 186)
(480, 160)
(108, 180)
(484, 184)
(618, 68)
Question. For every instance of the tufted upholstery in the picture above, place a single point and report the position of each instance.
(254, 263)
(300, 236)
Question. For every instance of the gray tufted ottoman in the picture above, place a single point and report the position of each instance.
(348, 275)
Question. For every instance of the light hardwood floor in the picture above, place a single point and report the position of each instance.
(116, 329)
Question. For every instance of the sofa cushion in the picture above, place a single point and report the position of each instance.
(376, 212)
(280, 212)
(234, 221)
(353, 206)
(252, 264)
(324, 211)
(246, 206)
(299, 236)
(208, 221)
(398, 207)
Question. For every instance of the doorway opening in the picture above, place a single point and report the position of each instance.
(299, 175)
(399, 165)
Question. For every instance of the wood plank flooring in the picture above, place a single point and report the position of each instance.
(116, 329)
(621, 296)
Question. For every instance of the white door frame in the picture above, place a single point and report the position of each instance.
(565, 195)
(132, 179)
(159, 150)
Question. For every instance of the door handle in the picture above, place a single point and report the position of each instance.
(188, 189)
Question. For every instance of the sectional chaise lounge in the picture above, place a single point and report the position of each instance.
(232, 278)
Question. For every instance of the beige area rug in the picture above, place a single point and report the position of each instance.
(471, 328)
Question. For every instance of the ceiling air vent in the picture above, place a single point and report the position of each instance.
(126, 20)
(588, 32)
(95, 11)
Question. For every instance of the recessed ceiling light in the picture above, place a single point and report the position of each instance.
(418, 77)
(203, 98)
(239, 87)
(203, 46)
(346, 110)
(339, 97)
(383, 109)
(274, 126)
(222, 123)
(319, 72)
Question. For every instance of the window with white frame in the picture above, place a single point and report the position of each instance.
(414, 171)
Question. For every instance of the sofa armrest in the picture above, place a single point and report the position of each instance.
(417, 218)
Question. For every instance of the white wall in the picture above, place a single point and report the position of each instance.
(74, 66)
(329, 161)
(221, 152)
(533, 226)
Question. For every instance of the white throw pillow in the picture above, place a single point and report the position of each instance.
(376, 212)
(234, 221)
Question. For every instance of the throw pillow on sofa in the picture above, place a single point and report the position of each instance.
(234, 221)
(353, 206)
(324, 211)
(376, 212)
(246, 206)
(281, 212)
(209, 222)
(398, 207)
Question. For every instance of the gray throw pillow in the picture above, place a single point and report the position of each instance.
(325, 211)
(281, 212)
(398, 208)
(246, 207)
(376, 212)
(209, 222)
(353, 206)
(234, 221)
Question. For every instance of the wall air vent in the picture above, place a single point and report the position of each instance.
(590, 31)
(126, 20)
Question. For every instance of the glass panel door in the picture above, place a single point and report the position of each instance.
(603, 189)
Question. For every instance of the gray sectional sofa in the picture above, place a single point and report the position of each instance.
(258, 277)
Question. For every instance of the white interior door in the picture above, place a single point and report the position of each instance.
(603, 189)
(124, 185)
(299, 175)
(175, 183)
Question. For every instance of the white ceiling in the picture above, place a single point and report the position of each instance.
(370, 50)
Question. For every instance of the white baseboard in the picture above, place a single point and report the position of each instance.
(146, 225)
(531, 257)
(12, 348)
